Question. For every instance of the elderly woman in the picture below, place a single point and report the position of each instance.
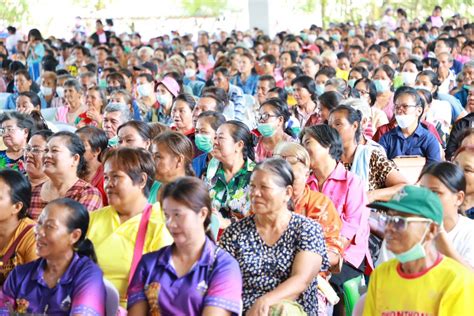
(173, 155)
(380, 175)
(64, 163)
(17, 238)
(182, 114)
(346, 191)
(66, 279)
(228, 173)
(412, 223)
(33, 156)
(280, 253)
(272, 126)
(95, 102)
(74, 103)
(95, 143)
(16, 129)
(153, 289)
(129, 226)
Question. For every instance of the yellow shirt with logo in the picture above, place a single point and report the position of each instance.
(114, 242)
(447, 288)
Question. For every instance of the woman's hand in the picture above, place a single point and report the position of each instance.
(261, 307)
(94, 115)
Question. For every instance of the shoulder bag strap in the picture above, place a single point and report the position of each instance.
(6, 257)
(140, 242)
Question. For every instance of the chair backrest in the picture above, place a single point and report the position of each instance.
(49, 114)
(351, 293)
(410, 167)
(3, 99)
(112, 299)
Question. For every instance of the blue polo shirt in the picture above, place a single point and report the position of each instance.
(420, 143)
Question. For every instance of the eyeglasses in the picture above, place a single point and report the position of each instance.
(33, 150)
(399, 223)
(265, 116)
(404, 107)
(7, 130)
(362, 92)
(291, 159)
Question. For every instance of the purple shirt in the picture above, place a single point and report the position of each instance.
(214, 280)
(346, 191)
(79, 291)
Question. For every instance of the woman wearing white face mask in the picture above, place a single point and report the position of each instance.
(49, 90)
(410, 70)
(166, 92)
(190, 79)
(383, 77)
(410, 137)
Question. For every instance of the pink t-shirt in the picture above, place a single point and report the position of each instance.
(346, 191)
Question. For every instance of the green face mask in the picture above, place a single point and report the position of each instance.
(266, 129)
(414, 253)
(203, 142)
(102, 84)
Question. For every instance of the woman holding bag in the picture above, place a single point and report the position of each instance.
(129, 226)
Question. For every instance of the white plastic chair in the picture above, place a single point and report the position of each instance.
(3, 99)
(112, 299)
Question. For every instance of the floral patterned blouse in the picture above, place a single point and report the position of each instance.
(265, 267)
(231, 198)
(15, 164)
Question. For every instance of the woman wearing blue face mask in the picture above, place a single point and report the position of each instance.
(206, 126)
(382, 78)
(272, 126)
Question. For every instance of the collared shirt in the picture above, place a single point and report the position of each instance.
(346, 191)
(320, 208)
(214, 280)
(303, 118)
(261, 153)
(114, 242)
(80, 290)
(81, 191)
(249, 86)
(230, 198)
(420, 143)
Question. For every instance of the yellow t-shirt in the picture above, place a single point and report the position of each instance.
(114, 242)
(25, 250)
(445, 289)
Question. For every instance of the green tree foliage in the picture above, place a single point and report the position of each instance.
(204, 7)
(13, 11)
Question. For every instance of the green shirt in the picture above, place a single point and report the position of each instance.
(230, 199)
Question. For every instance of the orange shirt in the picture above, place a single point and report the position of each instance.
(25, 250)
(320, 208)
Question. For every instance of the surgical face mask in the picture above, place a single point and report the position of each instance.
(88, 46)
(144, 90)
(405, 120)
(382, 85)
(46, 91)
(393, 50)
(414, 253)
(352, 33)
(312, 38)
(189, 72)
(266, 129)
(162, 99)
(409, 78)
(351, 82)
(156, 45)
(102, 83)
(336, 37)
(60, 91)
(204, 142)
(289, 90)
(320, 89)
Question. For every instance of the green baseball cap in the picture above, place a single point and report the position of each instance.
(414, 200)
